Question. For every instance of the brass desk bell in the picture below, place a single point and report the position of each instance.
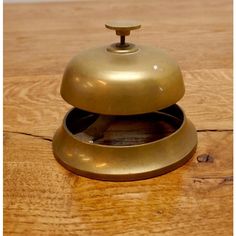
(122, 81)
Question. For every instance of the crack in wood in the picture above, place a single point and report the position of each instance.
(50, 139)
(222, 179)
(29, 134)
(214, 130)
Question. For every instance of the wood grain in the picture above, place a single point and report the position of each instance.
(43, 37)
(207, 102)
(40, 196)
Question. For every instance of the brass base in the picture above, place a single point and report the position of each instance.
(123, 163)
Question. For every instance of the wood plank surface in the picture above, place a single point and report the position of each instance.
(43, 37)
(40, 196)
(207, 102)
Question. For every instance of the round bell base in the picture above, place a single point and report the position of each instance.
(84, 151)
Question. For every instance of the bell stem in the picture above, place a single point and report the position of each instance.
(122, 40)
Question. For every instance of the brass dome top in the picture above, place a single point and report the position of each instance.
(123, 78)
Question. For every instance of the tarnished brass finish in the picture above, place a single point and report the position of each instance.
(104, 82)
(129, 48)
(120, 80)
(123, 163)
(122, 27)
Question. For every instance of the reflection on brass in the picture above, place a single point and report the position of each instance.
(115, 83)
(96, 129)
(115, 80)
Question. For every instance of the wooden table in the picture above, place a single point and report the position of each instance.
(40, 196)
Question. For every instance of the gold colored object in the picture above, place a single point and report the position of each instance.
(120, 80)
(114, 82)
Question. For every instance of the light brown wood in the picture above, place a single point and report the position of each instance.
(43, 37)
(207, 102)
(40, 196)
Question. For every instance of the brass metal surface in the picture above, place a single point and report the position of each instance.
(122, 163)
(105, 82)
(121, 80)
(117, 48)
(123, 27)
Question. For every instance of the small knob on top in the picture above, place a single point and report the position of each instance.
(123, 28)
